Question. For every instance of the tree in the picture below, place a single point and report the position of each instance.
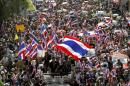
(11, 7)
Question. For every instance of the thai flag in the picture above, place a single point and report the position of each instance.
(31, 48)
(33, 53)
(28, 50)
(73, 47)
(44, 41)
(32, 36)
(43, 32)
(34, 44)
(22, 51)
(92, 34)
(40, 46)
(52, 40)
(94, 58)
(43, 29)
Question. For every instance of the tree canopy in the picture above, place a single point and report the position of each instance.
(10, 7)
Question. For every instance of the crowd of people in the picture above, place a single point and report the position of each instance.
(80, 19)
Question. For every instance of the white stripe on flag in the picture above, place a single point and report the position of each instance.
(79, 43)
(70, 50)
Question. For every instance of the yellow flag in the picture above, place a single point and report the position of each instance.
(20, 28)
(16, 37)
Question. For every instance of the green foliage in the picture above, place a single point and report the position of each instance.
(30, 6)
(10, 7)
(1, 83)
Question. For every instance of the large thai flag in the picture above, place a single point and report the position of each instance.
(73, 47)
(22, 51)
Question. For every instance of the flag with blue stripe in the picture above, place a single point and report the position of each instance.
(43, 29)
(33, 37)
(52, 40)
(73, 47)
(129, 22)
(31, 48)
(22, 50)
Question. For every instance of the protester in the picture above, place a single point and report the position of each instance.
(43, 30)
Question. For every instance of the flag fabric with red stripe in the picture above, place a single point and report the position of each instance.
(73, 47)
(33, 37)
(43, 29)
(22, 51)
(31, 48)
(33, 53)
(52, 40)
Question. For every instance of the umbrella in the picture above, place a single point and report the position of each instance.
(119, 55)
(114, 22)
(45, 9)
(64, 10)
(106, 17)
(65, 3)
(121, 32)
(85, 1)
(59, 11)
(100, 13)
(50, 25)
(71, 12)
(115, 15)
(80, 34)
(102, 24)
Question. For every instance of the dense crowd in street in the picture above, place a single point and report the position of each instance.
(108, 64)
